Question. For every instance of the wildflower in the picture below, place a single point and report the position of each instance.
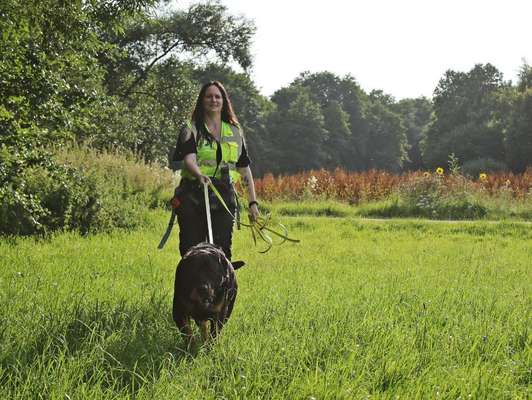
(483, 177)
(426, 174)
(312, 181)
(439, 171)
(507, 183)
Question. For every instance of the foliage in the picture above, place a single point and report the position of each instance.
(82, 190)
(47, 199)
(454, 164)
(386, 145)
(475, 167)
(379, 193)
(465, 117)
(298, 131)
(51, 86)
(352, 187)
(437, 198)
(107, 74)
(416, 116)
(518, 123)
(123, 76)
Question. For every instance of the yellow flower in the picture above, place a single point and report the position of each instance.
(483, 177)
(439, 171)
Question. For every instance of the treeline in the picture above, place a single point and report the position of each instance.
(324, 121)
(123, 76)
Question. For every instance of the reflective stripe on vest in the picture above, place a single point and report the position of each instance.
(231, 142)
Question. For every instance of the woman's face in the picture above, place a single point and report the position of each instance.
(213, 100)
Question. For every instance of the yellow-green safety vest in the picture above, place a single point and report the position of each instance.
(231, 142)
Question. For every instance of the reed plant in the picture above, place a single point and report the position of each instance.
(436, 194)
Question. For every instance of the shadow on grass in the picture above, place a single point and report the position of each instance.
(313, 211)
(119, 346)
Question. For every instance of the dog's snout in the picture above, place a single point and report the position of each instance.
(203, 294)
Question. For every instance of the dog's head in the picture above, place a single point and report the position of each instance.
(207, 277)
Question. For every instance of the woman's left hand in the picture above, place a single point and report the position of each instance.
(253, 212)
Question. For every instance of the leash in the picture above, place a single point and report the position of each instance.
(208, 211)
(260, 228)
(168, 229)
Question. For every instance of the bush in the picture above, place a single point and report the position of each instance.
(151, 184)
(440, 198)
(483, 165)
(46, 197)
(81, 190)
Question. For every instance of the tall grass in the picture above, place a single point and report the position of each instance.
(123, 171)
(355, 187)
(415, 194)
(358, 309)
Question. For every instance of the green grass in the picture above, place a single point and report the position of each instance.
(458, 209)
(379, 309)
(497, 209)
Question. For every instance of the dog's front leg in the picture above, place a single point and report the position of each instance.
(204, 329)
(183, 324)
(218, 323)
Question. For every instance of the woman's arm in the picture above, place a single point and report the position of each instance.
(247, 176)
(190, 163)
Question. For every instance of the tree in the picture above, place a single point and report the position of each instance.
(336, 122)
(152, 75)
(518, 135)
(386, 147)
(465, 107)
(416, 116)
(51, 87)
(347, 100)
(202, 30)
(298, 131)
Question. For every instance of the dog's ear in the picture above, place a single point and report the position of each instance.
(237, 264)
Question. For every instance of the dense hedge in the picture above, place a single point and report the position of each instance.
(82, 190)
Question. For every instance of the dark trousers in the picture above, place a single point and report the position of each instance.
(192, 220)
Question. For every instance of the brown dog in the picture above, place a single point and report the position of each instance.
(205, 290)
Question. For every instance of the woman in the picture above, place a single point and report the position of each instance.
(212, 149)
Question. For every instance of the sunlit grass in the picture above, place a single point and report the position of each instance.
(359, 308)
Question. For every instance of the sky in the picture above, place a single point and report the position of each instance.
(402, 47)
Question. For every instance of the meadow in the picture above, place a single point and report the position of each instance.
(359, 309)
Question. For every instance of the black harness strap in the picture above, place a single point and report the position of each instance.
(168, 229)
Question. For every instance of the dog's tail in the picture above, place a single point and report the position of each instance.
(238, 264)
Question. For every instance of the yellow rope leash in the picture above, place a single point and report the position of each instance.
(261, 228)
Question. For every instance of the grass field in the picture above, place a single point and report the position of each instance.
(359, 309)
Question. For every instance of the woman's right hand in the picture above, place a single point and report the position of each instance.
(204, 179)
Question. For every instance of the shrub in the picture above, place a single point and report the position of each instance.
(79, 189)
(46, 196)
(438, 197)
(483, 165)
